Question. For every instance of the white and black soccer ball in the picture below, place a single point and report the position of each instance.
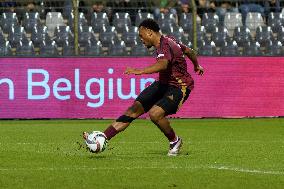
(96, 141)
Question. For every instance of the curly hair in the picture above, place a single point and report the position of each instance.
(150, 24)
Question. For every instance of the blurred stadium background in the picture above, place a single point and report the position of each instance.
(109, 28)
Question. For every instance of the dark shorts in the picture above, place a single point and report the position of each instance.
(168, 97)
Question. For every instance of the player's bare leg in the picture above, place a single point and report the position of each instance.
(123, 121)
(157, 115)
(133, 111)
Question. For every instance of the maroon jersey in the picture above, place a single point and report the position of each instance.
(176, 73)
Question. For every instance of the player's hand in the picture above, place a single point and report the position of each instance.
(199, 70)
(129, 71)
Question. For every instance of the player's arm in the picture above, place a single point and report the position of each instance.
(192, 55)
(160, 65)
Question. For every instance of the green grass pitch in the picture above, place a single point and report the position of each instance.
(217, 153)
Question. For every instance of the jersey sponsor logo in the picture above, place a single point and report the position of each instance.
(160, 55)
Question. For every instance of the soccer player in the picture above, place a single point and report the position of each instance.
(165, 96)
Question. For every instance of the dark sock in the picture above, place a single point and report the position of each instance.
(110, 132)
(171, 135)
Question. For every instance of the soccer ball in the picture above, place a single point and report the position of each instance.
(96, 142)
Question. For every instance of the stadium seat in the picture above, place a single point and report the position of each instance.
(201, 41)
(8, 20)
(220, 35)
(142, 16)
(263, 35)
(108, 36)
(208, 49)
(102, 29)
(30, 29)
(117, 49)
(82, 21)
(10, 28)
(232, 20)
(48, 49)
(130, 35)
(169, 28)
(280, 35)
(31, 20)
(99, 20)
(5, 48)
(200, 32)
(9, 16)
(185, 22)
(122, 29)
(2, 37)
(275, 21)
(252, 49)
(210, 21)
(46, 41)
(67, 9)
(274, 48)
(253, 20)
(93, 49)
(86, 33)
(121, 20)
(68, 48)
(25, 49)
(138, 49)
(53, 19)
(242, 35)
(16, 35)
(38, 35)
(230, 49)
(62, 34)
(180, 36)
(169, 18)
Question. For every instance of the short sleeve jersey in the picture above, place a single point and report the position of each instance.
(176, 73)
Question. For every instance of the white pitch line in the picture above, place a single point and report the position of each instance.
(144, 142)
(245, 170)
(53, 143)
(221, 168)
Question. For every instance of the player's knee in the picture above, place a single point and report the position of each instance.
(155, 115)
(131, 114)
(135, 110)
